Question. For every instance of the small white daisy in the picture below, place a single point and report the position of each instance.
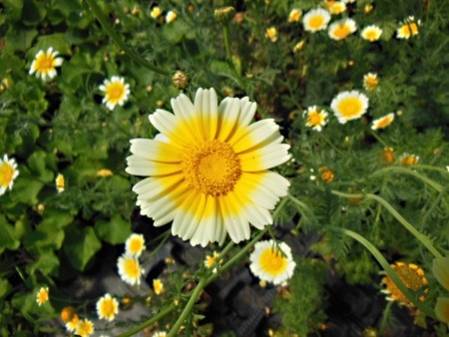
(129, 269)
(72, 324)
(370, 81)
(316, 19)
(271, 264)
(116, 92)
(170, 16)
(45, 63)
(316, 118)
(294, 15)
(349, 105)
(8, 173)
(408, 28)
(382, 122)
(107, 307)
(340, 30)
(85, 328)
(42, 296)
(135, 245)
(371, 33)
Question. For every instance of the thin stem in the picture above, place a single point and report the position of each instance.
(226, 42)
(99, 15)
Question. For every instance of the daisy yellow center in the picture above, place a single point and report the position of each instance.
(371, 35)
(43, 296)
(115, 91)
(84, 328)
(6, 174)
(132, 268)
(212, 168)
(135, 246)
(342, 31)
(316, 22)
(44, 63)
(314, 118)
(107, 307)
(371, 82)
(384, 122)
(273, 262)
(350, 107)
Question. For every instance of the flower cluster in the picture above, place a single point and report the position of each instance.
(128, 264)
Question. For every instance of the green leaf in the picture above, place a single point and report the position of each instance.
(8, 238)
(5, 287)
(20, 39)
(14, 8)
(47, 264)
(176, 31)
(58, 41)
(38, 165)
(80, 246)
(26, 190)
(114, 231)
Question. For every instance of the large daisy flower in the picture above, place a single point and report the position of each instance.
(271, 262)
(8, 173)
(45, 63)
(349, 105)
(316, 20)
(340, 30)
(116, 92)
(107, 307)
(208, 169)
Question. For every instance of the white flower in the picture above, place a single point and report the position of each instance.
(107, 307)
(129, 269)
(316, 118)
(8, 173)
(135, 245)
(408, 28)
(349, 105)
(116, 92)
(45, 63)
(316, 20)
(371, 33)
(341, 29)
(382, 122)
(271, 262)
(170, 16)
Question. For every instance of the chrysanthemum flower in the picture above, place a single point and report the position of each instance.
(155, 12)
(211, 260)
(170, 16)
(371, 33)
(116, 92)
(73, 323)
(413, 278)
(408, 159)
(85, 328)
(67, 314)
(294, 15)
(335, 7)
(107, 307)
(209, 168)
(135, 245)
(160, 334)
(316, 20)
(370, 81)
(368, 8)
(129, 269)
(8, 173)
(271, 33)
(442, 309)
(349, 105)
(383, 122)
(45, 63)
(272, 263)
(440, 269)
(408, 28)
(158, 286)
(388, 155)
(340, 30)
(316, 118)
(60, 183)
(327, 175)
(42, 296)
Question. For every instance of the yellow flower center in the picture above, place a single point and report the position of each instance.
(273, 262)
(384, 122)
(371, 35)
(341, 31)
(350, 107)
(6, 174)
(84, 328)
(107, 308)
(115, 91)
(43, 296)
(44, 63)
(316, 22)
(132, 268)
(212, 168)
(135, 246)
(314, 118)
(371, 82)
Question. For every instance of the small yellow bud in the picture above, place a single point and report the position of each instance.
(180, 79)
(295, 15)
(155, 12)
(271, 33)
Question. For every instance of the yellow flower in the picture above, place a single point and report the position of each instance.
(440, 269)
(271, 33)
(341, 29)
(316, 20)
(272, 263)
(349, 105)
(298, 46)
(8, 173)
(104, 173)
(45, 63)
(116, 92)
(158, 286)
(388, 155)
(135, 245)
(327, 175)
(383, 122)
(60, 183)
(129, 269)
(67, 314)
(408, 28)
(335, 7)
(413, 278)
(85, 328)
(170, 16)
(442, 309)
(370, 81)
(211, 260)
(295, 15)
(42, 296)
(316, 118)
(368, 8)
(155, 12)
(72, 324)
(409, 159)
(209, 168)
(107, 307)
(371, 33)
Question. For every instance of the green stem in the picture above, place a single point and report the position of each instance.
(407, 225)
(164, 312)
(226, 42)
(99, 15)
(388, 269)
